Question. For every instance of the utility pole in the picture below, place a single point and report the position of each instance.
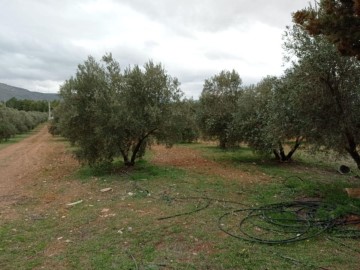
(49, 118)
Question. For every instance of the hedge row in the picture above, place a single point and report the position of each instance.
(14, 122)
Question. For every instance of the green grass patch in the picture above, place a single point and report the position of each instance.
(159, 217)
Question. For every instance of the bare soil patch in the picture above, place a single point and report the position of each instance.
(24, 165)
(35, 169)
(192, 160)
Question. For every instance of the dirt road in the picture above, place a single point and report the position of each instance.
(36, 169)
(22, 164)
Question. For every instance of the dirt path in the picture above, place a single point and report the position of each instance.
(36, 169)
(191, 159)
(22, 164)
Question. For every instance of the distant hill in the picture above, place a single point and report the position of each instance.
(7, 92)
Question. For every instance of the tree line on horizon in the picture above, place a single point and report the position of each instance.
(30, 105)
(108, 112)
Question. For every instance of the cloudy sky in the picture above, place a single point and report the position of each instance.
(43, 41)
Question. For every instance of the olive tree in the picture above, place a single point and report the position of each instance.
(108, 112)
(184, 115)
(217, 103)
(265, 119)
(325, 92)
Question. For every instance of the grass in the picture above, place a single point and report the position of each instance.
(121, 229)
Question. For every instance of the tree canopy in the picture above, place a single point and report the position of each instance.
(30, 105)
(14, 122)
(337, 20)
(265, 118)
(325, 89)
(108, 113)
(218, 102)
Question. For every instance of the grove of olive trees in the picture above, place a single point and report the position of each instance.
(14, 122)
(30, 105)
(108, 112)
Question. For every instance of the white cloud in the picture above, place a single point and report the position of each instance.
(42, 41)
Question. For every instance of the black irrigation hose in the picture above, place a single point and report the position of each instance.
(303, 224)
(188, 213)
(294, 176)
(340, 232)
(133, 259)
(213, 199)
(295, 261)
(264, 212)
(344, 245)
(209, 201)
(290, 221)
(304, 218)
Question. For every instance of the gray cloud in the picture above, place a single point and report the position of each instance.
(43, 41)
(214, 15)
(215, 55)
(33, 59)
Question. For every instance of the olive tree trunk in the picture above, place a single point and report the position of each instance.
(351, 148)
(131, 161)
(280, 154)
